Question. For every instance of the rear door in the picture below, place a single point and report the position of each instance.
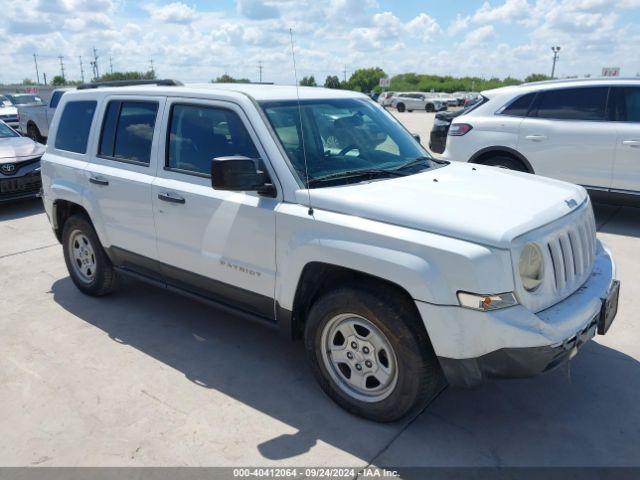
(121, 173)
(626, 169)
(218, 244)
(567, 136)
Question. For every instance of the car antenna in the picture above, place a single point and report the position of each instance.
(304, 150)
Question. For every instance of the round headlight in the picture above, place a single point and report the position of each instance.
(531, 267)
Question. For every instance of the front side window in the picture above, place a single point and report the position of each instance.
(127, 131)
(344, 141)
(74, 126)
(198, 134)
(573, 104)
(626, 104)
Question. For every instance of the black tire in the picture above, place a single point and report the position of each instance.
(400, 107)
(429, 107)
(34, 133)
(504, 161)
(419, 377)
(104, 279)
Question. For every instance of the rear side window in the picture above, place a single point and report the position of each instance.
(519, 107)
(573, 104)
(127, 131)
(626, 104)
(74, 126)
(198, 134)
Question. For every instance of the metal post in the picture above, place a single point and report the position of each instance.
(35, 60)
(555, 51)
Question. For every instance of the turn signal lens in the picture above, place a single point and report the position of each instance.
(486, 302)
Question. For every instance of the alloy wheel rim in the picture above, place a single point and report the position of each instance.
(359, 358)
(83, 257)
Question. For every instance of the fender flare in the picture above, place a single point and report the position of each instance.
(502, 149)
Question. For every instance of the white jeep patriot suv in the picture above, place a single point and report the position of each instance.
(323, 217)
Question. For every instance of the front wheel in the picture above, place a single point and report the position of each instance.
(34, 133)
(429, 107)
(370, 353)
(87, 262)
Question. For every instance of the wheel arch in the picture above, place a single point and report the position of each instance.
(63, 210)
(489, 151)
(319, 277)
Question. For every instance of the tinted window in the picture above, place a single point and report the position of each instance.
(198, 134)
(626, 104)
(520, 107)
(74, 126)
(55, 99)
(573, 104)
(127, 131)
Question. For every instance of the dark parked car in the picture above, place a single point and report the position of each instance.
(19, 165)
(441, 124)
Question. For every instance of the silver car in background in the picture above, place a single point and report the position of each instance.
(19, 165)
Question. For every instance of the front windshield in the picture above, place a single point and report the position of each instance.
(26, 99)
(6, 132)
(345, 141)
(5, 102)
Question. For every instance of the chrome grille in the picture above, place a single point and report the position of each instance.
(572, 253)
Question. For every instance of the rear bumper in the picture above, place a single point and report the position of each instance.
(515, 342)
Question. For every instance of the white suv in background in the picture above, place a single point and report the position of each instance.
(411, 101)
(396, 269)
(582, 131)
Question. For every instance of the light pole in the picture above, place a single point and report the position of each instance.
(555, 51)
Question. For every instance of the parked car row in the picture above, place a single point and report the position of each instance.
(581, 131)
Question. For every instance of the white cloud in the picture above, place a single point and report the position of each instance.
(460, 24)
(510, 10)
(479, 36)
(176, 12)
(423, 26)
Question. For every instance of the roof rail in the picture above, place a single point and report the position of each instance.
(578, 79)
(167, 82)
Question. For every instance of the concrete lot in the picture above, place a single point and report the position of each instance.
(145, 377)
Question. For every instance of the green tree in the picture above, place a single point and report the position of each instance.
(229, 79)
(537, 77)
(332, 81)
(115, 76)
(309, 81)
(28, 81)
(365, 79)
(58, 81)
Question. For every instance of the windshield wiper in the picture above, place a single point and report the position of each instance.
(368, 173)
(415, 161)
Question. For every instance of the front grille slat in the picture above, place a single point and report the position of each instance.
(558, 263)
(575, 237)
(567, 255)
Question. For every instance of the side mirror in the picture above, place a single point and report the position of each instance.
(417, 137)
(241, 174)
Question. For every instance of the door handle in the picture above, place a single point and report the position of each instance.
(632, 143)
(536, 138)
(171, 197)
(99, 181)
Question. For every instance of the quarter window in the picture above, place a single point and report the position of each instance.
(198, 134)
(573, 104)
(519, 107)
(74, 126)
(127, 131)
(55, 99)
(626, 104)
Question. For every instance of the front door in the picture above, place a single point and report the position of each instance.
(218, 244)
(626, 169)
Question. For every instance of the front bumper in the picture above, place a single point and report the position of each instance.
(515, 342)
(24, 183)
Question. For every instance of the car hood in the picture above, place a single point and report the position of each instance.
(485, 205)
(13, 148)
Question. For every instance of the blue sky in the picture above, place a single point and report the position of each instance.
(200, 40)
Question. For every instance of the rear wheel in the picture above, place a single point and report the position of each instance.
(34, 133)
(504, 161)
(400, 107)
(370, 353)
(87, 262)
